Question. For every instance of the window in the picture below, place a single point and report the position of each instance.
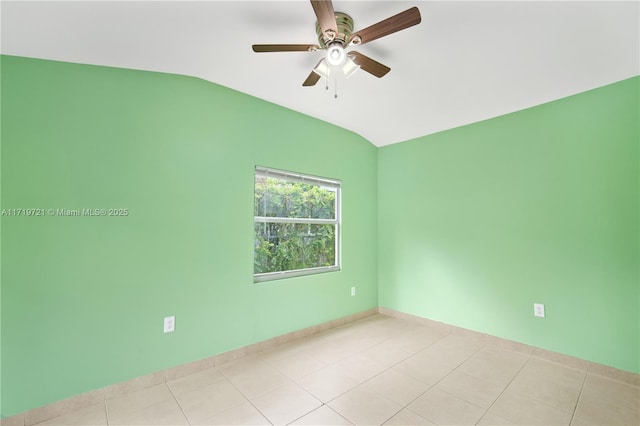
(296, 222)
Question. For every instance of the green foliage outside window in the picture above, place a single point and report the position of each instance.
(295, 245)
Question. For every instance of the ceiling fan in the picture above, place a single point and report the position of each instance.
(335, 34)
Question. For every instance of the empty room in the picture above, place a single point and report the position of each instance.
(320, 212)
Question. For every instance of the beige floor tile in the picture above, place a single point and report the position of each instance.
(358, 367)
(243, 414)
(445, 409)
(470, 388)
(407, 417)
(549, 383)
(417, 339)
(285, 404)
(136, 401)
(195, 381)
(451, 350)
(363, 407)
(577, 421)
(598, 421)
(396, 386)
(521, 410)
(493, 420)
(202, 403)
(495, 365)
(254, 377)
(165, 413)
(328, 383)
(296, 365)
(386, 354)
(605, 401)
(90, 416)
(611, 391)
(322, 416)
(426, 371)
(330, 352)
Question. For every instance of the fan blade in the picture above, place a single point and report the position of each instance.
(326, 15)
(285, 47)
(313, 78)
(401, 21)
(369, 65)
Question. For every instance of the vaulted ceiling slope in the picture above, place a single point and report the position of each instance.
(465, 62)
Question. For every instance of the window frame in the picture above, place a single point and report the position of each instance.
(334, 184)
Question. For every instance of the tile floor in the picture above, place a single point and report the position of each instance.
(380, 370)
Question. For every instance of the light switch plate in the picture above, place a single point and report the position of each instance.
(538, 310)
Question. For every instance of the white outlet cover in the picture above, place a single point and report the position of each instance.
(169, 324)
(538, 310)
(353, 291)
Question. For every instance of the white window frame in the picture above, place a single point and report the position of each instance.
(308, 179)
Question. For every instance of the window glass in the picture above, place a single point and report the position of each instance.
(296, 224)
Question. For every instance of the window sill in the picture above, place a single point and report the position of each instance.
(271, 276)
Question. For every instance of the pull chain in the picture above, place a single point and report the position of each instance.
(335, 84)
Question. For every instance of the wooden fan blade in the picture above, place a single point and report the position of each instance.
(401, 21)
(285, 47)
(326, 15)
(313, 78)
(369, 65)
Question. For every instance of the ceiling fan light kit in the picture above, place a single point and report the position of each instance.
(336, 55)
(335, 35)
(348, 67)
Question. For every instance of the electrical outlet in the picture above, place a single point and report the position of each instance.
(538, 310)
(169, 324)
(353, 291)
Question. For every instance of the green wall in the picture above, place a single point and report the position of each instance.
(478, 223)
(83, 298)
(470, 226)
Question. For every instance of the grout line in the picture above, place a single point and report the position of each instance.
(505, 389)
(441, 379)
(245, 396)
(575, 408)
(482, 346)
(396, 413)
(177, 402)
(335, 411)
(106, 411)
(406, 406)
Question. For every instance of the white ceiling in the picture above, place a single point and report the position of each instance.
(466, 61)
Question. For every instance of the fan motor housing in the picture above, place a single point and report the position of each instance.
(345, 28)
